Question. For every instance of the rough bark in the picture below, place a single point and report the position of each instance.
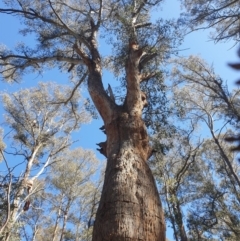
(130, 208)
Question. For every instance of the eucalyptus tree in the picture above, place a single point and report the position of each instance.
(66, 207)
(217, 109)
(74, 197)
(222, 16)
(36, 217)
(39, 127)
(67, 36)
(214, 213)
(211, 102)
(175, 169)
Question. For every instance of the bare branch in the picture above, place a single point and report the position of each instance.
(9, 171)
(145, 59)
(147, 76)
(142, 25)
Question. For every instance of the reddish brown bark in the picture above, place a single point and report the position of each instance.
(130, 208)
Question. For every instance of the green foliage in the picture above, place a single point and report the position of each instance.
(40, 124)
(57, 26)
(220, 15)
(198, 175)
(39, 117)
(66, 209)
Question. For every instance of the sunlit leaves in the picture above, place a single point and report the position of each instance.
(206, 100)
(2, 144)
(72, 169)
(223, 16)
(202, 79)
(40, 116)
(72, 195)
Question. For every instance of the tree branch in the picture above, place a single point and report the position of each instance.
(147, 76)
(142, 25)
(145, 59)
(134, 93)
(8, 205)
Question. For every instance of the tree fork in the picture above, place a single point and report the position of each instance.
(130, 207)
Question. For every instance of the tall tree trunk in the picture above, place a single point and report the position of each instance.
(171, 216)
(179, 219)
(130, 208)
(18, 198)
(35, 232)
(57, 221)
(65, 218)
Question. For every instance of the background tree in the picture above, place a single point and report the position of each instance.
(67, 37)
(211, 102)
(216, 108)
(39, 130)
(222, 16)
(175, 168)
(32, 220)
(211, 216)
(75, 193)
(67, 207)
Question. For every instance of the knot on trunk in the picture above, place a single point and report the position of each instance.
(151, 151)
(103, 148)
(135, 51)
(28, 185)
(103, 129)
(133, 45)
(26, 206)
(144, 99)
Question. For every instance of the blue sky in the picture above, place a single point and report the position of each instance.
(196, 43)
